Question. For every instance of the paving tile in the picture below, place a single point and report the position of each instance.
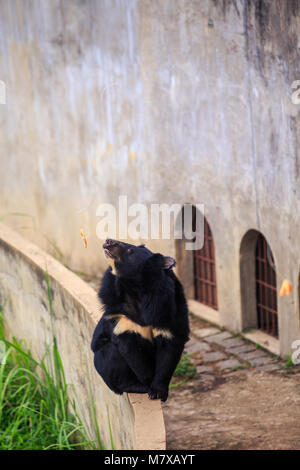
(229, 364)
(208, 378)
(242, 349)
(262, 360)
(219, 337)
(204, 370)
(204, 332)
(269, 367)
(194, 346)
(213, 356)
(232, 342)
(247, 356)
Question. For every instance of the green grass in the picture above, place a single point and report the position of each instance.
(184, 372)
(288, 363)
(242, 366)
(248, 330)
(236, 334)
(36, 411)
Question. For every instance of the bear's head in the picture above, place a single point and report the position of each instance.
(130, 261)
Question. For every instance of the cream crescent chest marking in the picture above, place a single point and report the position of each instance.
(163, 332)
(126, 325)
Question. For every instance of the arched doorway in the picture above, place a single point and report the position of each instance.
(258, 284)
(196, 268)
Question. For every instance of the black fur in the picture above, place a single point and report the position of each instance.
(145, 290)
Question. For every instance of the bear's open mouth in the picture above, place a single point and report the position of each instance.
(108, 254)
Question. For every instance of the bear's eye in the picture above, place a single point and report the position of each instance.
(129, 251)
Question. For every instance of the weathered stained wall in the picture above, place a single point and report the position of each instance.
(76, 310)
(169, 101)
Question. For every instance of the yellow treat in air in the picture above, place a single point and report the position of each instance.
(286, 288)
(83, 237)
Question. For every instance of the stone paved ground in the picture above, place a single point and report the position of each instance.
(242, 398)
(216, 349)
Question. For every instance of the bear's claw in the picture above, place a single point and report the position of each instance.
(155, 394)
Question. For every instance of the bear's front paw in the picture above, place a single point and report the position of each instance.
(156, 393)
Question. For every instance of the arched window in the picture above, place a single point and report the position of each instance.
(205, 270)
(266, 289)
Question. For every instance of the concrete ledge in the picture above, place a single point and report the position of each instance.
(136, 421)
(264, 340)
(149, 423)
(204, 312)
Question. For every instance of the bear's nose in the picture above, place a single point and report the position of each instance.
(109, 242)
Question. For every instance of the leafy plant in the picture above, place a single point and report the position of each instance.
(36, 411)
(185, 371)
(288, 363)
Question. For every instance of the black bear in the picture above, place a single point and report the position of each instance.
(139, 340)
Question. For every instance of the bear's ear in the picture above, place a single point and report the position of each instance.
(168, 262)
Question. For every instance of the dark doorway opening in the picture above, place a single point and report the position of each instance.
(205, 270)
(266, 290)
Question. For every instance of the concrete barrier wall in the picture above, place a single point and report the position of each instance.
(136, 422)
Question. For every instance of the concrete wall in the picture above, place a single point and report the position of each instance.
(136, 422)
(164, 101)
